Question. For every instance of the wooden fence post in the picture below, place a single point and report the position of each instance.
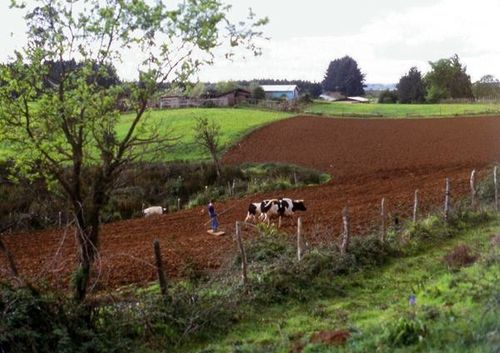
(496, 187)
(10, 259)
(179, 204)
(300, 250)
(159, 267)
(243, 254)
(346, 234)
(415, 207)
(382, 216)
(447, 200)
(473, 190)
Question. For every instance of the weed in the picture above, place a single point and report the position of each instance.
(406, 331)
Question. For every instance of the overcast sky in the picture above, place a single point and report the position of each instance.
(385, 37)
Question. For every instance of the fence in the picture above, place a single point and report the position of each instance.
(345, 236)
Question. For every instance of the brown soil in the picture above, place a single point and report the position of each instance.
(332, 338)
(369, 159)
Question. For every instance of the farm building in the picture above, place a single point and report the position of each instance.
(236, 96)
(290, 92)
(227, 99)
(338, 97)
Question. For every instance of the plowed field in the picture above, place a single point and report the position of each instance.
(369, 159)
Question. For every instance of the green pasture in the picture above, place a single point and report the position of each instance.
(456, 308)
(179, 123)
(401, 110)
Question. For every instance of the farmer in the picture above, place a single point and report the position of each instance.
(213, 216)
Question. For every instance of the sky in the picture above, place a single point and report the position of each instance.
(385, 37)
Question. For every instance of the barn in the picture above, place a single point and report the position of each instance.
(236, 96)
(290, 92)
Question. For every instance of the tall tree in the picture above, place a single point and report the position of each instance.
(67, 132)
(448, 79)
(488, 87)
(411, 88)
(343, 75)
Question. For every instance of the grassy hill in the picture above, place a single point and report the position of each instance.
(180, 122)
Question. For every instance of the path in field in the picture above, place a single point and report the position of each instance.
(369, 159)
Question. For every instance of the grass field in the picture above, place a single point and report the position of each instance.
(401, 110)
(234, 124)
(456, 310)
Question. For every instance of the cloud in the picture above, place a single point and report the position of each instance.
(386, 37)
(386, 47)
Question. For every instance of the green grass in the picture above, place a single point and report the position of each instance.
(401, 110)
(459, 309)
(235, 123)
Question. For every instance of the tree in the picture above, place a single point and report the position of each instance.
(67, 132)
(207, 135)
(388, 96)
(225, 86)
(411, 88)
(197, 90)
(448, 79)
(344, 76)
(488, 87)
(258, 93)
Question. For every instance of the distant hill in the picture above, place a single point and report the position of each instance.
(380, 86)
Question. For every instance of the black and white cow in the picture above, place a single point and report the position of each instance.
(258, 210)
(267, 209)
(287, 208)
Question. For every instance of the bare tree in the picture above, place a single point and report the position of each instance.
(207, 135)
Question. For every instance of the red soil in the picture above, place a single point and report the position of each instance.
(369, 159)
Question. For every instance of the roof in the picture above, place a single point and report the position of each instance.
(359, 99)
(242, 90)
(279, 88)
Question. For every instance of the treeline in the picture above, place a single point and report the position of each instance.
(446, 81)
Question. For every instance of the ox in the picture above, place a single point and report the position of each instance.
(153, 210)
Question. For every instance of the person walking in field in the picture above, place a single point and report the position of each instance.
(213, 216)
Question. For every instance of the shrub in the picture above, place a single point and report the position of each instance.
(32, 322)
(192, 314)
(370, 251)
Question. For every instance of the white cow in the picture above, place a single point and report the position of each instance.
(153, 210)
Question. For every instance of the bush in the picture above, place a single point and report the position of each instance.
(191, 314)
(32, 322)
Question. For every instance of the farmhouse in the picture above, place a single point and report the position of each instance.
(290, 92)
